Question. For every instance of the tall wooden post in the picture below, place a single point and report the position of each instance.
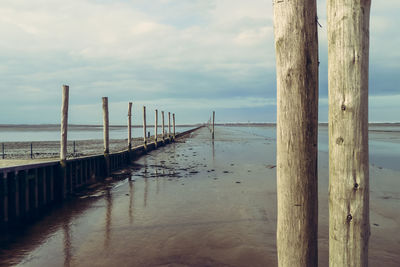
(173, 125)
(155, 127)
(169, 124)
(64, 139)
(163, 126)
(130, 125)
(213, 122)
(144, 127)
(106, 135)
(296, 45)
(348, 52)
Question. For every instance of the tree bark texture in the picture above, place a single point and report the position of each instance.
(296, 45)
(348, 52)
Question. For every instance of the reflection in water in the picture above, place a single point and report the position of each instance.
(108, 198)
(67, 244)
(156, 174)
(146, 189)
(131, 199)
(157, 184)
(145, 176)
(213, 152)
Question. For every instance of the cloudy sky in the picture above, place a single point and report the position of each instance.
(185, 56)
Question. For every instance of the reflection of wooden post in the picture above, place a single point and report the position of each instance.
(64, 139)
(144, 127)
(296, 45)
(173, 123)
(348, 52)
(130, 125)
(163, 125)
(106, 135)
(155, 127)
(213, 122)
(169, 124)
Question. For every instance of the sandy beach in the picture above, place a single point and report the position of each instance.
(195, 203)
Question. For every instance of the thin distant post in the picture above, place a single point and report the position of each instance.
(296, 47)
(106, 135)
(155, 127)
(129, 125)
(213, 122)
(2, 148)
(169, 124)
(31, 150)
(173, 123)
(348, 54)
(163, 126)
(64, 139)
(144, 128)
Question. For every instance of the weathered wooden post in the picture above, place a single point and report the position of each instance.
(348, 53)
(2, 148)
(106, 135)
(129, 125)
(155, 127)
(31, 150)
(144, 127)
(169, 125)
(296, 45)
(163, 126)
(213, 122)
(173, 123)
(64, 139)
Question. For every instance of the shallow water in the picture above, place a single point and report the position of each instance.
(199, 203)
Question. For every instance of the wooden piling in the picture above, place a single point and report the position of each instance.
(349, 227)
(169, 125)
(106, 135)
(156, 127)
(144, 128)
(213, 123)
(173, 124)
(2, 148)
(130, 125)
(163, 126)
(31, 151)
(64, 139)
(296, 45)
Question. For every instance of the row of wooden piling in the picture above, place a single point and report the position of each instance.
(26, 191)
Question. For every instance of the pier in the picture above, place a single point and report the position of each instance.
(26, 191)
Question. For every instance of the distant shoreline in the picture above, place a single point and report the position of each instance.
(77, 126)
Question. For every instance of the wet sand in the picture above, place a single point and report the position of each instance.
(193, 203)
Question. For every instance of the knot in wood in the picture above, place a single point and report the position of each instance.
(349, 218)
(355, 186)
(339, 141)
(343, 107)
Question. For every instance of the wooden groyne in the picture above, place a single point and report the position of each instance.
(27, 191)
